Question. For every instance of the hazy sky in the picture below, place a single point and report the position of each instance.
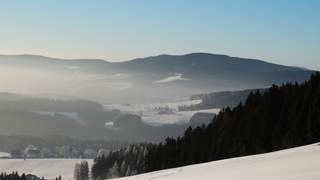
(280, 31)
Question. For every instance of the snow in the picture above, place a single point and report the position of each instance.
(300, 163)
(110, 125)
(4, 155)
(137, 108)
(150, 115)
(49, 168)
(176, 77)
(71, 115)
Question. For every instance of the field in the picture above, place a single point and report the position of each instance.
(49, 168)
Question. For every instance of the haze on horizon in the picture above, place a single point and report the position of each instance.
(282, 32)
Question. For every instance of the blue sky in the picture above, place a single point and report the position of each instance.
(279, 31)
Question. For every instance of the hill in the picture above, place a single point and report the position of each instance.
(282, 117)
(292, 164)
(145, 79)
(33, 116)
(219, 99)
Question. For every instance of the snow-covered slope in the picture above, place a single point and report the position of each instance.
(49, 168)
(300, 163)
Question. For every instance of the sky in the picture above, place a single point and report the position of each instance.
(279, 31)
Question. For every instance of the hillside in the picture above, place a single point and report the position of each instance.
(279, 118)
(292, 164)
(71, 117)
(219, 99)
(282, 117)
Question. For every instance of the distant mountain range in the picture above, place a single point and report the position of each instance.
(144, 79)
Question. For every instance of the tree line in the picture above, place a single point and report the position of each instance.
(23, 176)
(123, 162)
(12, 176)
(81, 171)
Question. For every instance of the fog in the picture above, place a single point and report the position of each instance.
(66, 83)
(153, 79)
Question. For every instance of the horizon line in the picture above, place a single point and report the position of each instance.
(150, 56)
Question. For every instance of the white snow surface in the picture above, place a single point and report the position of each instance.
(300, 163)
(175, 77)
(71, 115)
(4, 155)
(49, 168)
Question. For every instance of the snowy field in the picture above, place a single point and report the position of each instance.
(150, 115)
(4, 155)
(49, 168)
(300, 163)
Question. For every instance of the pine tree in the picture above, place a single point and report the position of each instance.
(76, 172)
(114, 171)
(84, 170)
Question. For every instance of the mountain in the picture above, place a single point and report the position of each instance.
(200, 72)
(153, 78)
(203, 64)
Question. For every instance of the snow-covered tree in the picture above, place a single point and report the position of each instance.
(123, 167)
(114, 171)
(81, 171)
(76, 172)
(128, 172)
(84, 170)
